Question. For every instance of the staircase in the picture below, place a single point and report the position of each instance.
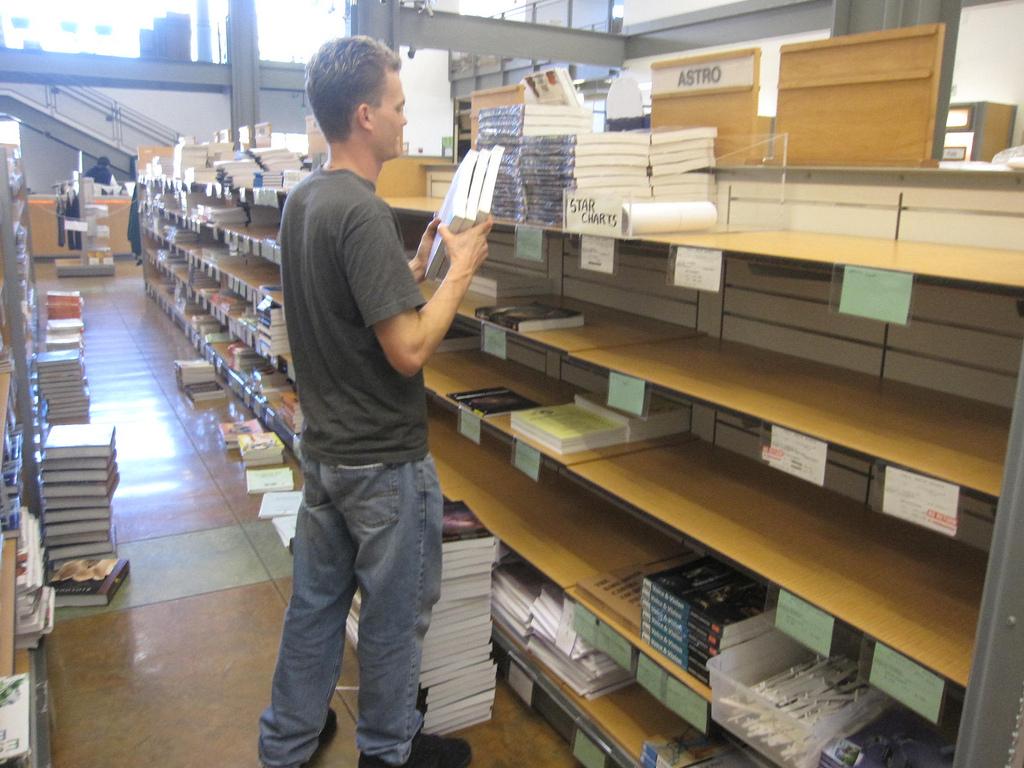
(88, 120)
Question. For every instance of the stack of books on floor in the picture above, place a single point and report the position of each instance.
(79, 476)
(64, 334)
(273, 338)
(282, 509)
(34, 599)
(261, 449)
(457, 673)
(677, 156)
(693, 611)
(62, 384)
(243, 358)
(290, 412)
(88, 582)
(63, 305)
(198, 380)
(533, 610)
(230, 431)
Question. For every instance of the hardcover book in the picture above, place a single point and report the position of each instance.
(531, 317)
(88, 582)
(231, 430)
(459, 523)
(73, 441)
(492, 400)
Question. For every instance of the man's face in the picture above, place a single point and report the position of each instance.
(389, 119)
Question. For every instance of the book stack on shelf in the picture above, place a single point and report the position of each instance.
(897, 737)
(198, 380)
(180, 236)
(64, 305)
(678, 157)
(291, 412)
(662, 416)
(612, 164)
(63, 385)
(457, 673)
(88, 582)
(694, 611)
(189, 157)
(243, 358)
(220, 216)
(230, 431)
(692, 748)
(236, 173)
(13, 453)
(202, 283)
(273, 333)
(64, 334)
(498, 283)
(535, 611)
(526, 318)
(568, 428)
(79, 475)
(291, 178)
(274, 163)
(269, 382)
(34, 598)
(261, 449)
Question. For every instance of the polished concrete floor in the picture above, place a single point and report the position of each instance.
(177, 669)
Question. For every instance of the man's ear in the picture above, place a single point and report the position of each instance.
(364, 116)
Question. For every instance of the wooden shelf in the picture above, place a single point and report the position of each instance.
(563, 530)
(993, 266)
(8, 579)
(460, 371)
(959, 440)
(427, 205)
(603, 327)
(254, 271)
(251, 232)
(612, 619)
(629, 716)
(907, 587)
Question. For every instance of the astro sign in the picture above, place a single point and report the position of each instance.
(704, 75)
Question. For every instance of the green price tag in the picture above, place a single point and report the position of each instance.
(879, 294)
(529, 243)
(585, 624)
(469, 425)
(586, 751)
(907, 682)
(686, 703)
(651, 677)
(615, 645)
(495, 341)
(805, 623)
(527, 460)
(627, 393)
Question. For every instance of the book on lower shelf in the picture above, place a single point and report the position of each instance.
(568, 428)
(535, 316)
(491, 400)
(88, 582)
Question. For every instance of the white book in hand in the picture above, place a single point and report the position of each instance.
(454, 206)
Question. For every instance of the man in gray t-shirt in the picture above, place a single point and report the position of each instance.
(360, 333)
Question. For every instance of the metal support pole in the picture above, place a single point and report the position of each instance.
(14, 295)
(990, 723)
(243, 59)
(203, 38)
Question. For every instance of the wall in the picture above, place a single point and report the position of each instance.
(46, 161)
(428, 100)
(990, 58)
(187, 112)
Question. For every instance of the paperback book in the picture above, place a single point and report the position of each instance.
(526, 318)
(491, 400)
(88, 582)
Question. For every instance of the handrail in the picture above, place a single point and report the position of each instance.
(119, 115)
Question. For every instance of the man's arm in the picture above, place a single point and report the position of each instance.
(410, 338)
(418, 263)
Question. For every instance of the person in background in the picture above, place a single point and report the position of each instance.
(101, 173)
(360, 333)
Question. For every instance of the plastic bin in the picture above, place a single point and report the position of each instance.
(777, 735)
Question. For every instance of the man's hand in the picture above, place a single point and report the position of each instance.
(467, 250)
(418, 264)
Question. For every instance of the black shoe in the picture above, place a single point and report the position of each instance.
(428, 752)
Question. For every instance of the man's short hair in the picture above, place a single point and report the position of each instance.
(103, 161)
(343, 74)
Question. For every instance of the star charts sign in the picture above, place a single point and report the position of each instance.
(706, 75)
(593, 214)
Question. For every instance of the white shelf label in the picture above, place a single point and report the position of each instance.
(597, 254)
(922, 500)
(469, 425)
(520, 682)
(593, 215)
(797, 454)
(698, 268)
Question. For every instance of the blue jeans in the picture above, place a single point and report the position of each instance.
(378, 528)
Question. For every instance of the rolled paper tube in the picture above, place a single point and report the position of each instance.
(658, 218)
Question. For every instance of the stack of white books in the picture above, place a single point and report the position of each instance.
(261, 450)
(613, 163)
(277, 159)
(534, 611)
(293, 177)
(189, 372)
(457, 674)
(237, 173)
(79, 475)
(62, 384)
(200, 176)
(35, 601)
(282, 509)
(222, 216)
(188, 157)
(663, 417)
(273, 333)
(680, 159)
(220, 150)
(64, 334)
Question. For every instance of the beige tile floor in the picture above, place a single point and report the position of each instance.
(177, 669)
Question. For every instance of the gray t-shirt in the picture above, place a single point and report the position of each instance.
(344, 269)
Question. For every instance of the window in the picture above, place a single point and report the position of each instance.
(293, 31)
